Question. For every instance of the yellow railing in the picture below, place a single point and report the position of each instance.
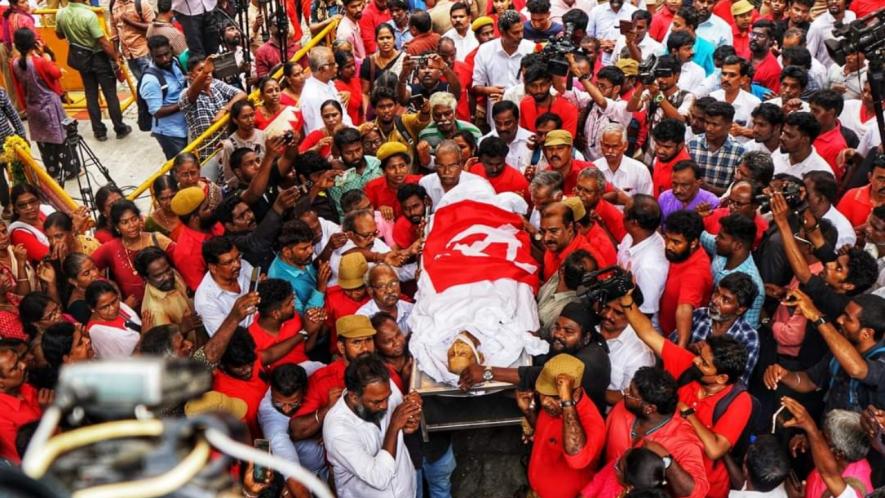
(37, 176)
(200, 141)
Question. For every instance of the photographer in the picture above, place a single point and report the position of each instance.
(429, 70)
(606, 109)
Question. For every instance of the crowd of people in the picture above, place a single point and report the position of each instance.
(741, 183)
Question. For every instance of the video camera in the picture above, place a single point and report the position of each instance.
(606, 284)
(859, 36)
(649, 70)
(556, 50)
(792, 193)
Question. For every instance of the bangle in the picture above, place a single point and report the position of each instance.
(812, 228)
(316, 416)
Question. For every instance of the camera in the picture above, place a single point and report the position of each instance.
(225, 65)
(792, 193)
(606, 284)
(556, 50)
(858, 36)
(649, 70)
(70, 126)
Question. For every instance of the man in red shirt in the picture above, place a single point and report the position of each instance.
(375, 14)
(538, 100)
(689, 280)
(767, 68)
(569, 426)
(239, 376)
(277, 329)
(494, 168)
(646, 417)
(723, 10)
(603, 215)
(858, 203)
(741, 199)
(381, 191)
(19, 402)
(826, 105)
(558, 152)
(414, 203)
(743, 17)
(190, 206)
(324, 387)
(722, 361)
(560, 237)
(348, 296)
(669, 137)
(660, 23)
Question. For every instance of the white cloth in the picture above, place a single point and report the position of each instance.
(691, 76)
(631, 176)
(715, 30)
(38, 234)
(463, 44)
(869, 141)
(327, 228)
(112, 342)
(844, 230)
(615, 112)
(779, 101)
(647, 46)
(778, 492)
(710, 84)
(850, 118)
(313, 95)
(403, 310)
(627, 354)
(604, 24)
(404, 273)
(853, 81)
(362, 468)
(811, 163)
(515, 94)
(649, 265)
(821, 29)
(493, 66)
(754, 146)
(213, 303)
(435, 189)
(519, 152)
(559, 7)
(744, 104)
(275, 425)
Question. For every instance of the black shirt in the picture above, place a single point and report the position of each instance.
(597, 372)
(843, 392)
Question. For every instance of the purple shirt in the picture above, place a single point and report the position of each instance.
(670, 204)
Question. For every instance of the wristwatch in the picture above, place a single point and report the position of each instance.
(668, 460)
(687, 412)
(820, 321)
(567, 403)
(487, 375)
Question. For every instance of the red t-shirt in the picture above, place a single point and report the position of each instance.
(188, 256)
(613, 218)
(599, 238)
(662, 176)
(404, 232)
(768, 73)
(381, 194)
(529, 111)
(711, 224)
(327, 378)
(338, 304)
(251, 391)
(510, 180)
(723, 10)
(688, 282)
(856, 205)
(264, 340)
(464, 72)
(730, 425)
(16, 411)
(660, 23)
(552, 472)
(741, 43)
(829, 144)
(552, 261)
(371, 19)
(571, 179)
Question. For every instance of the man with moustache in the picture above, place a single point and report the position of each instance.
(573, 333)
(385, 291)
(349, 27)
(626, 352)
(493, 167)
(165, 294)
(391, 344)
(414, 204)
(294, 264)
(740, 199)
(559, 234)
(448, 172)
(169, 126)
(558, 152)
(669, 149)
(768, 119)
(539, 99)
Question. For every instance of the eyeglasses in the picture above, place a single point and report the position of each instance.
(627, 394)
(390, 286)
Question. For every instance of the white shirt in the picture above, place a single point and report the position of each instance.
(559, 7)
(112, 342)
(811, 163)
(519, 154)
(869, 141)
(853, 82)
(327, 228)
(715, 30)
(754, 146)
(850, 118)
(647, 46)
(403, 310)
(627, 354)
(362, 469)
(435, 189)
(691, 76)
(744, 104)
(313, 95)
(649, 265)
(275, 425)
(615, 112)
(845, 234)
(779, 101)
(631, 176)
(778, 492)
(821, 29)
(463, 44)
(710, 84)
(604, 24)
(493, 66)
(213, 303)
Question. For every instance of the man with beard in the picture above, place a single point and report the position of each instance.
(797, 155)
(393, 127)
(169, 126)
(626, 352)
(568, 423)
(560, 237)
(349, 27)
(165, 295)
(676, 102)
(443, 128)
(558, 153)
(742, 198)
(603, 220)
(642, 250)
(255, 240)
(573, 333)
(288, 383)
(280, 335)
(767, 70)
(448, 172)
(385, 292)
(364, 436)
(646, 417)
(669, 149)
(493, 167)
(227, 279)
(294, 264)
(734, 77)
(711, 27)
(858, 203)
(539, 99)
(714, 372)
(197, 220)
(232, 40)
(768, 120)
(359, 168)
(239, 375)
(414, 203)
(689, 280)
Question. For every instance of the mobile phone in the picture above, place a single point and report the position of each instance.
(625, 26)
(417, 100)
(253, 282)
(259, 472)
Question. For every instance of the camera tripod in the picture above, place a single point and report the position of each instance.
(82, 157)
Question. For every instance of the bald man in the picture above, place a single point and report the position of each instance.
(385, 292)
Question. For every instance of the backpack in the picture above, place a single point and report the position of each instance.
(853, 385)
(756, 424)
(403, 131)
(138, 9)
(145, 118)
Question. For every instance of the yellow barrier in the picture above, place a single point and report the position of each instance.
(38, 177)
(198, 142)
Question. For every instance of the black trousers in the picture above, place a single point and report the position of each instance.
(100, 74)
(201, 32)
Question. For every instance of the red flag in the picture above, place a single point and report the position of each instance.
(472, 241)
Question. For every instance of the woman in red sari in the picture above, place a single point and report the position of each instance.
(348, 83)
(270, 106)
(320, 141)
(27, 222)
(293, 82)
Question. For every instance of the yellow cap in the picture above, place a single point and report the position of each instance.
(559, 364)
(214, 401)
(629, 66)
(187, 200)
(741, 7)
(577, 207)
(351, 270)
(479, 22)
(558, 137)
(354, 327)
(388, 149)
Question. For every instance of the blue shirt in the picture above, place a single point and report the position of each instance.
(400, 36)
(304, 283)
(747, 266)
(703, 53)
(173, 125)
(532, 34)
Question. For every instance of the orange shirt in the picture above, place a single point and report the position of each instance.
(552, 261)
(856, 205)
(510, 180)
(264, 340)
